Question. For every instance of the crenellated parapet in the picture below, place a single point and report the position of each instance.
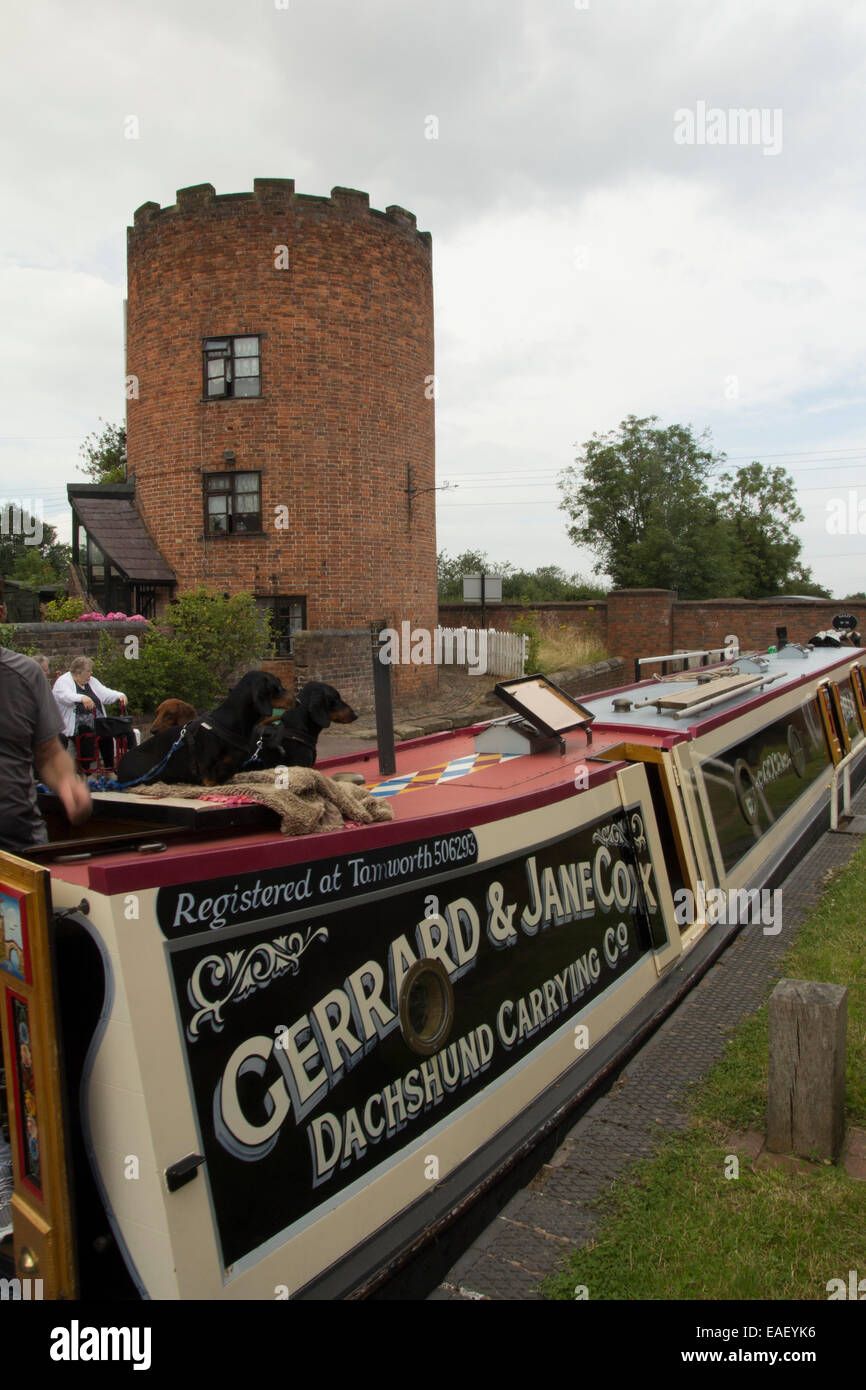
(277, 198)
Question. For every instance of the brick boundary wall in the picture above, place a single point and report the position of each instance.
(646, 622)
(60, 642)
(631, 622)
(643, 622)
(342, 659)
(588, 680)
(706, 623)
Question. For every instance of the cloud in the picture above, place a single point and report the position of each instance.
(586, 265)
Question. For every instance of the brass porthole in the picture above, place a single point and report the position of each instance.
(426, 1007)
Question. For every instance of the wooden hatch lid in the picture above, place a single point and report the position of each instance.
(696, 694)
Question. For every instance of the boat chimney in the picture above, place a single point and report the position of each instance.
(383, 703)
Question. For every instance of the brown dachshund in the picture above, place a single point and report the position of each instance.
(172, 714)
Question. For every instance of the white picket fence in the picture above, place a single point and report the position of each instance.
(482, 653)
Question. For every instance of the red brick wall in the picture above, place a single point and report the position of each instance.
(341, 659)
(60, 642)
(754, 623)
(284, 670)
(639, 622)
(347, 346)
(643, 622)
(587, 680)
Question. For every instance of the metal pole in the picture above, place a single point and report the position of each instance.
(483, 609)
(383, 703)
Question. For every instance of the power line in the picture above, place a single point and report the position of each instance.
(802, 453)
(524, 472)
(512, 479)
(490, 487)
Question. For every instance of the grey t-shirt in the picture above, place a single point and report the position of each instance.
(28, 716)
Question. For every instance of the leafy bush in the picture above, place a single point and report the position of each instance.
(548, 583)
(63, 610)
(7, 639)
(209, 637)
(528, 626)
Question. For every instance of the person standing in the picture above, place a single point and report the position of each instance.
(30, 724)
(29, 727)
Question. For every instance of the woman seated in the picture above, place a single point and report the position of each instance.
(81, 699)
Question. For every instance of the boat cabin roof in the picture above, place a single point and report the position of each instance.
(680, 704)
(442, 784)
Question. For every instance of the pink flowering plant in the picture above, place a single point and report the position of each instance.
(109, 618)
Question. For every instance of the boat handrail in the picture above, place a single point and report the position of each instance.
(716, 653)
(843, 766)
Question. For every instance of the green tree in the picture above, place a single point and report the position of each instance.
(639, 498)
(450, 570)
(549, 584)
(105, 454)
(760, 507)
(33, 564)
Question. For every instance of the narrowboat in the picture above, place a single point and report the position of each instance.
(241, 1065)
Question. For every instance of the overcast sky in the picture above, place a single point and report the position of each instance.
(594, 254)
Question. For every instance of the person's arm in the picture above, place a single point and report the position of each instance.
(107, 696)
(67, 696)
(57, 770)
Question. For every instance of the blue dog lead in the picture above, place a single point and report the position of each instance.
(105, 784)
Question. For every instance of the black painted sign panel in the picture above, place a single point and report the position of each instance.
(202, 907)
(296, 1035)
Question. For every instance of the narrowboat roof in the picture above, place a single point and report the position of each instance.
(680, 704)
(441, 783)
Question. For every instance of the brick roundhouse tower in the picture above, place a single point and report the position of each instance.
(281, 440)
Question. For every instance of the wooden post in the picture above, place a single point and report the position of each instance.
(806, 1098)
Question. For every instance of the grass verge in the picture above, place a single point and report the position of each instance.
(678, 1228)
(564, 651)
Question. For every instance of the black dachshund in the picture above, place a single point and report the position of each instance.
(291, 741)
(214, 746)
